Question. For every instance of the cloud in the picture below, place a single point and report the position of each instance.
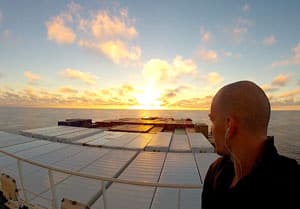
(280, 80)
(246, 7)
(214, 78)
(158, 70)
(31, 77)
(107, 31)
(123, 95)
(172, 93)
(208, 55)
(270, 40)
(79, 75)
(119, 52)
(239, 29)
(195, 102)
(269, 88)
(120, 95)
(67, 90)
(206, 36)
(103, 26)
(288, 98)
(294, 60)
(297, 54)
(282, 63)
(290, 93)
(59, 32)
(239, 33)
(56, 26)
(111, 35)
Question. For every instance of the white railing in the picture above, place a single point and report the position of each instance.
(103, 180)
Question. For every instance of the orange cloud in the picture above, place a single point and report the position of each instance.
(286, 100)
(77, 74)
(101, 31)
(268, 88)
(67, 90)
(282, 63)
(31, 77)
(59, 32)
(119, 52)
(214, 78)
(206, 36)
(120, 96)
(280, 80)
(239, 29)
(157, 70)
(195, 102)
(290, 93)
(104, 26)
(208, 55)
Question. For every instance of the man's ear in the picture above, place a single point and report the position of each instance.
(231, 124)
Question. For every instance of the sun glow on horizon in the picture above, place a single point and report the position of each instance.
(149, 99)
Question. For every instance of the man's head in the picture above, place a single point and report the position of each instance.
(239, 109)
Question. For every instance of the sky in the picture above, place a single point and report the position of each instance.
(146, 54)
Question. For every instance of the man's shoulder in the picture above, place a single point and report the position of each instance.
(287, 165)
(219, 163)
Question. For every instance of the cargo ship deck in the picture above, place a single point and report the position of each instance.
(126, 163)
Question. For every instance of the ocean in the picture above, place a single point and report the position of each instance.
(284, 125)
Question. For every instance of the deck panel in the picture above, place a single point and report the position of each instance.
(7, 139)
(53, 133)
(146, 167)
(121, 141)
(199, 143)
(109, 135)
(179, 168)
(81, 189)
(180, 143)
(69, 137)
(38, 132)
(85, 140)
(132, 128)
(139, 142)
(204, 160)
(160, 142)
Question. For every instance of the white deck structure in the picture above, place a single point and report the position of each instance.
(199, 143)
(146, 167)
(180, 143)
(179, 168)
(160, 142)
(120, 156)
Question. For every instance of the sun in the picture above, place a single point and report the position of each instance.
(149, 99)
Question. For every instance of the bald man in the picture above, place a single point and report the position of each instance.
(250, 173)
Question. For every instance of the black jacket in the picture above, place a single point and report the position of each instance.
(273, 183)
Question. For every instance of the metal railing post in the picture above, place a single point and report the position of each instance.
(104, 194)
(22, 182)
(52, 188)
(179, 198)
